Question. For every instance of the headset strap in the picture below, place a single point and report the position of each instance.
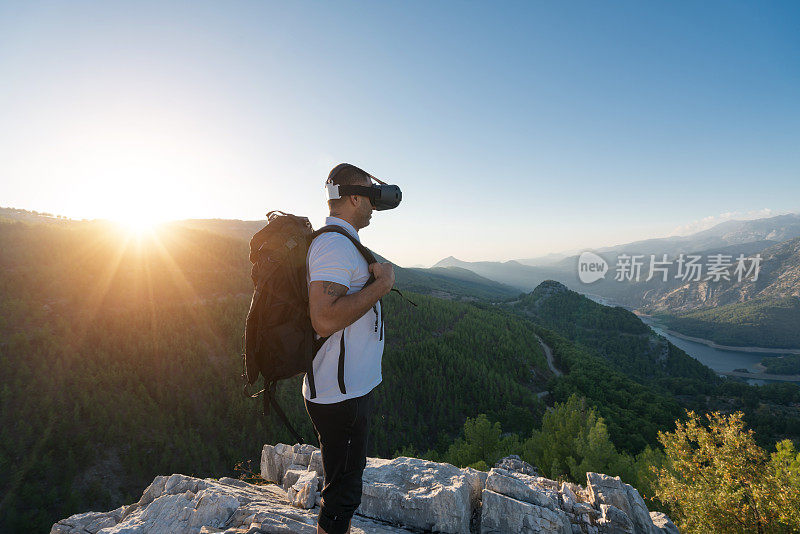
(366, 190)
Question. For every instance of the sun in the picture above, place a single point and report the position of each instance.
(138, 224)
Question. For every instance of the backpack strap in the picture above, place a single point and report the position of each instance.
(269, 398)
(365, 252)
(369, 257)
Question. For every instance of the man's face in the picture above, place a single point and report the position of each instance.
(364, 210)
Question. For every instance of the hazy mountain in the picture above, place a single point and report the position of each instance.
(731, 237)
(775, 229)
(512, 273)
(779, 276)
(451, 282)
(226, 227)
(14, 214)
(136, 347)
(547, 259)
(763, 313)
(639, 293)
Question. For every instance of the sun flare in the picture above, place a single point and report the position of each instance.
(139, 224)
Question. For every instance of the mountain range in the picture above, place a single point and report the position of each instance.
(735, 312)
(730, 237)
(121, 360)
(729, 312)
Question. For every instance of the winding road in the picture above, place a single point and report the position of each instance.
(548, 353)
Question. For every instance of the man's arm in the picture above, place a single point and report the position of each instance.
(331, 309)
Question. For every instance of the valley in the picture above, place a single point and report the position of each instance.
(136, 344)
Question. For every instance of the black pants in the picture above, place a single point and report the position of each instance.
(343, 431)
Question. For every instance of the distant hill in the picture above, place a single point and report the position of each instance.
(445, 283)
(644, 294)
(742, 313)
(762, 313)
(225, 227)
(512, 273)
(770, 323)
(730, 237)
(121, 359)
(637, 379)
(779, 277)
(547, 259)
(30, 216)
(613, 333)
(455, 283)
(775, 229)
(451, 283)
(604, 349)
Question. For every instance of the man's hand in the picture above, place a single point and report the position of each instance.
(332, 309)
(384, 275)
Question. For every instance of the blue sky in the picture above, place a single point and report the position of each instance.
(514, 129)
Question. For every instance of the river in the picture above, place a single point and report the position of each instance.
(720, 360)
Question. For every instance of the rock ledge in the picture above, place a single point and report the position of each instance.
(400, 495)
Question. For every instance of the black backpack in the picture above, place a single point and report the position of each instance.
(279, 339)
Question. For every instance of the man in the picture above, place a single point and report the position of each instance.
(348, 365)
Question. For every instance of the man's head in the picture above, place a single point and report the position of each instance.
(355, 209)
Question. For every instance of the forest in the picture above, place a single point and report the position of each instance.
(782, 365)
(121, 360)
(763, 322)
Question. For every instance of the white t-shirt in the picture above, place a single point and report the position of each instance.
(333, 258)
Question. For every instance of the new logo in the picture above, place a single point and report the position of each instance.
(591, 267)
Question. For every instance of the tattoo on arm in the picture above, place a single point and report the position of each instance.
(333, 289)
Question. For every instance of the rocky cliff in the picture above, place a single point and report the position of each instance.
(400, 495)
(778, 277)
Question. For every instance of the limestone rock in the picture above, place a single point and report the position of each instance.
(152, 491)
(88, 522)
(662, 522)
(179, 504)
(520, 487)
(277, 460)
(543, 482)
(271, 464)
(638, 512)
(179, 512)
(568, 498)
(302, 454)
(477, 481)
(503, 514)
(516, 464)
(585, 509)
(303, 492)
(417, 493)
(315, 464)
(604, 489)
(291, 475)
(615, 521)
(408, 492)
(284, 454)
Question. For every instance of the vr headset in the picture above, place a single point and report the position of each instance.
(382, 196)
